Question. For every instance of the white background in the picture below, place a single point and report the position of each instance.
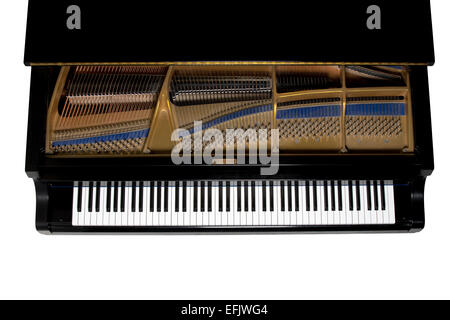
(258, 266)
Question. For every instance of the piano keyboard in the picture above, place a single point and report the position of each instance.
(233, 203)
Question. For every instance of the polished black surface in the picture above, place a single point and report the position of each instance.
(152, 31)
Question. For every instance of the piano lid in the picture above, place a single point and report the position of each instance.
(319, 31)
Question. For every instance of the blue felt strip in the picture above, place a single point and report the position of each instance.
(375, 109)
(106, 138)
(310, 112)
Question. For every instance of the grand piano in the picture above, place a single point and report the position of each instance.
(156, 118)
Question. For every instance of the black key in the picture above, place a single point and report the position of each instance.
(239, 207)
(152, 196)
(340, 195)
(271, 196)
(308, 204)
(228, 199)
(253, 196)
(116, 196)
(358, 196)
(333, 197)
(202, 196)
(184, 188)
(209, 196)
(220, 196)
(141, 196)
(350, 195)
(90, 196)
(122, 197)
(166, 196)
(315, 195)
(325, 194)
(158, 193)
(264, 204)
(283, 207)
(133, 196)
(108, 196)
(196, 183)
(383, 196)
(375, 194)
(369, 198)
(80, 195)
(245, 196)
(297, 196)
(177, 196)
(97, 197)
(290, 196)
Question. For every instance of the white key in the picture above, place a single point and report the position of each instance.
(172, 213)
(119, 202)
(101, 221)
(206, 213)
(224, 214)
(321, 214)
(180, 208)
(355, 217)
(249, 204)
(194, 219)
(215, 204)
(305, 213)
(336, 212)
(142, 214)
(368, 213)
(346, 195)
(146, 204)
(189, 196)
(112, 214)
(380, 210)
(128, 204)
(233, 216)
(218, 213)
(312, 213)
(272, 204)
(164, 213)
(286, 213)
(363, 201)
(390, 201)
(240, 215)
(137, 214)
(154, 213)
(385, 212)
(342, 213)
(255, 216)
(276, 203)
(258, 205)
(373, 213)
(330, 214)
(82, 217)
(75, 212)
(299, 214)
(95, 215)
(199, 204)
(293, 213)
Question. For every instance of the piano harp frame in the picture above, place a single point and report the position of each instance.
(164, 121)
